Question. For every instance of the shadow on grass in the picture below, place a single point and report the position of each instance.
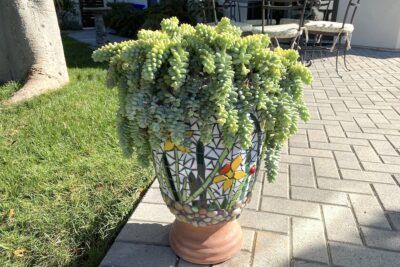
(76, 54)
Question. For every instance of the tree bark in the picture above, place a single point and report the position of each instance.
(31, 47)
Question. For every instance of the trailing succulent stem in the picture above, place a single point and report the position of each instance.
(212, 74)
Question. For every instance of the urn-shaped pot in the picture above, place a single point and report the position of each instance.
(206, 186)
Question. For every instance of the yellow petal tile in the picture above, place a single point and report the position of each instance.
(228, 183)
(236, 162)
(168, 146)
(239, 175)
(183, 149)
(219, 178)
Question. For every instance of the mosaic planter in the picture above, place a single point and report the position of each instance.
(207, 185)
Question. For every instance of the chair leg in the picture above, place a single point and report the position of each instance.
(304, 50)
(339, 43)
(321, 55)
(344, 57)
(294, 44)
(337, 57)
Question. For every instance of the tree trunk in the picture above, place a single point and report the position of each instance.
(31, 47)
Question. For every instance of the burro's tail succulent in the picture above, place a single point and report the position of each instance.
(209, 73)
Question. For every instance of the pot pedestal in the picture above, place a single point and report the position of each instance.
(206, 245)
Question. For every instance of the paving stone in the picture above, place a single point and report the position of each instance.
(279, 188)
(298, 141)
(264, 221)
(300, 263)
(390, 114)
(296, 159)
(291, 207)
(310, 126)
(347, 117)
(271, 249)
(152, 213)
(318, 120)
(380, 167)
(145, 232)
(153, 195)
(127, 254)
(366, 136)
(343, 185)
(184, 263)
(397, 178)
(349, 141)
(326, 168)
(319, 195)
(308, 240)
(389, 196)
(283, 167)
(352, 104)
(340, 225)
(338, 107)
(326, 111)
(256, 198)
(395, 219)
(366, 153)
(391, 159)
(248, 239)
(365, 176)
(242, 259)
(301, 175)
(317, 136)
(357, 256)
(155, 184)
(311, 152)
(350, 126)
(334, 131)
(381, 238)
(368, 211)
(330, 146)
(385, 131)
(378, 118)
(285, 148)
(384, 148)
(347, 160)
(395, 140)
(364, 122)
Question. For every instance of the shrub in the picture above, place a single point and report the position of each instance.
(126, 20)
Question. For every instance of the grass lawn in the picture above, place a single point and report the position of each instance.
(65, 188)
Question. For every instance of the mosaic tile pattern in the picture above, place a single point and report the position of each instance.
(208, 177)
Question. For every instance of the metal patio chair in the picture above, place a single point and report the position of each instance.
(282, 32)
(240, 10)
(208, 11)
(210, 7)
(337, 30)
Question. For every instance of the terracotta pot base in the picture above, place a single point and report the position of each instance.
(206, 245)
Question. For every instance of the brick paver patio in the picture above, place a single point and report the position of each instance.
(337, 199)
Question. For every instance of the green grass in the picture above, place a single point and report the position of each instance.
(7, 89)
(62, 171)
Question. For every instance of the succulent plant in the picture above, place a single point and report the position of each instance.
(212, 74)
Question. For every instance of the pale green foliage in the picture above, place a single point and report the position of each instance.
(209, 73)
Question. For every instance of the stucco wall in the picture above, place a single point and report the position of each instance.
(377, 23)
